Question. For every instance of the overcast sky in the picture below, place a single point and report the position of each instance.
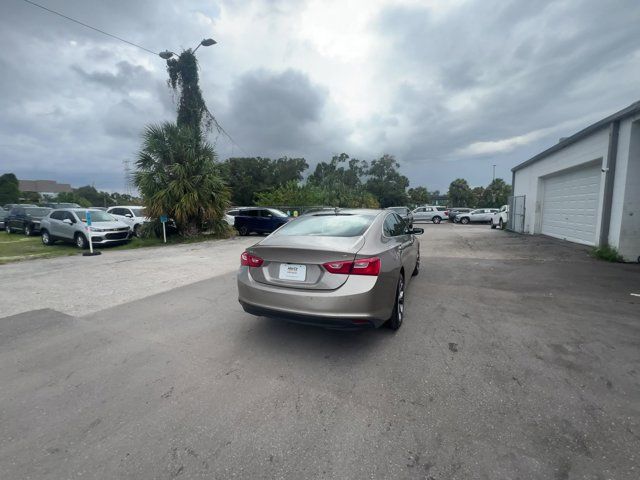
(450, 87)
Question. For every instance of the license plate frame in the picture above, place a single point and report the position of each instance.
(292, 272)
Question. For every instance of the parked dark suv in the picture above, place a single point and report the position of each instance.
(259, 220)
(25, 219)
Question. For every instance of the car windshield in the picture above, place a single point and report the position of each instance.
(37, 212)
(96, 216)
(139, 212)
(328, 225)
(277, 213)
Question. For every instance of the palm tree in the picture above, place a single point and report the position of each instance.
(177, 176)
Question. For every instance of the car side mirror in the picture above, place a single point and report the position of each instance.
(417, 231)
(67, 221)
(128, 215)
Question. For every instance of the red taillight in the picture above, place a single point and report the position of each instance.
(446, 212)
(361, 266)
(248, 260)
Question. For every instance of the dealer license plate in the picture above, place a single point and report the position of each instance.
(289, 271)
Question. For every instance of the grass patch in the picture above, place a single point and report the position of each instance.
(17, 247)
(607, 253)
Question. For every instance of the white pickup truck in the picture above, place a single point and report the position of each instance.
(501, 217)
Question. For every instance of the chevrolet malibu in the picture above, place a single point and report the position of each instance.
(341, 269)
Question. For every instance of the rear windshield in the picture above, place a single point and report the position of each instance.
(96, 216)
(328, 225)
(37, 212)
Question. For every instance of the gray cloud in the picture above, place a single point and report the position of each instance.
(277, 113)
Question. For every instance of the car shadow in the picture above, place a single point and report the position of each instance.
(309, 343)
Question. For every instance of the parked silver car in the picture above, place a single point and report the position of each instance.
(69, 225)
(483, 215)
(429, 213)
(344, 269)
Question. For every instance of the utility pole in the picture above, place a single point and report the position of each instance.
(494, 172)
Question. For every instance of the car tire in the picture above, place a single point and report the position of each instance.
(493, 225)
(28, 230)
(136, 230)
(243, 231)
(464, 220)
(397, 316)
(436, 220)
(81, 241)
(501, 224)
(416, 269)
(46, 238)
(7, 229)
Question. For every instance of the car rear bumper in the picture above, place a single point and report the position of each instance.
(360, 302)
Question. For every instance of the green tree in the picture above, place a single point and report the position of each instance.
(250, 176)
(386, 183)
(460, 193)
(72, 197)
(477, 197)
(418, 196)
(184, 80)
(496, 194)
(295, 195)
(177, 175)
(9, 192)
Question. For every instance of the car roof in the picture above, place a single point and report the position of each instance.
(127, 206)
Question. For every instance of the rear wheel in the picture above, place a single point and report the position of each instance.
(493, 225)
(81, 241)
(437, 219)
(136, 230)
(501, 225)
(28, 230)
(395, 322)
(464, 220)
(243, 230)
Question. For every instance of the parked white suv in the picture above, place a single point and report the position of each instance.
(430, 213)
(500, 218)
(133, 215)
(70, 225)
(479, 215)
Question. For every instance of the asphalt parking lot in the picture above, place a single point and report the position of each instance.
(519, 358)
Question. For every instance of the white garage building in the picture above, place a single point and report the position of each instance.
(586, 188)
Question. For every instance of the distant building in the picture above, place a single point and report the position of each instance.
(439, 200)
(43, 187)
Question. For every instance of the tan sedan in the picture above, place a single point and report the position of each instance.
(342, 269)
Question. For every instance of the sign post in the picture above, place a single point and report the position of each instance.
(88, 216)
(163, 219)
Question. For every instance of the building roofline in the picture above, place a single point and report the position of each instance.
(605, 122)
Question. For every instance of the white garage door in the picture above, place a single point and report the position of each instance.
(570, 205)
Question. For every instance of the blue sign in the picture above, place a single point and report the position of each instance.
(164, 219)
(88, 218)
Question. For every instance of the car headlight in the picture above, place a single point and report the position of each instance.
(98, 229)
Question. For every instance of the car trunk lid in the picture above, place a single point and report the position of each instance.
(297, 261)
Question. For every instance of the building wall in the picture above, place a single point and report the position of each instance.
(529, 180)
(629, 231)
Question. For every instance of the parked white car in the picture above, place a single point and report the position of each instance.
(500, 218)
(132, 215)
(430, 213)
(482, 215)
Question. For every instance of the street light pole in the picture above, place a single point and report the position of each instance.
(207, 42)
(494, 172)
